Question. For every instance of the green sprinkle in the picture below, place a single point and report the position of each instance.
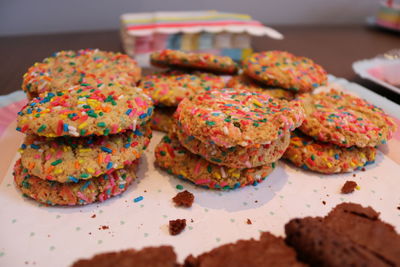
(312, 157)
(101, 124)
(106, 131)
(210, 123)
(256, 124)
(179, 187)
(84, 175)
(162, 153)
(54, 163)
(209, 168)
(41, 128)
(216, 160)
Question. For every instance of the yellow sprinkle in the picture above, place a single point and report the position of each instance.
(82, 125)
(83, 150)
(217, 175)
(362, 155)
(358, 187)
(256, 102)
(58, 171)
(90, 170)
(329, 165)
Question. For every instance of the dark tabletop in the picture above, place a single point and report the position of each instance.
(333, 47)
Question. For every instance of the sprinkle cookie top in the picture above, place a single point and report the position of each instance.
(169, 88)
(323, 157)
(241, 82)
(345, 120)
(90, 66)
(235, 117)
(68, 159)
(82, 111)
(285, 70)
(197, 61)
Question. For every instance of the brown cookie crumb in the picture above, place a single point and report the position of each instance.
(93, 216)
(248, 221)
(349, 187)
(104, 227)
(183, 199)
(324, 202)
(177, 226)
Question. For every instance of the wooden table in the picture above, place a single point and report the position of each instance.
(334, 47)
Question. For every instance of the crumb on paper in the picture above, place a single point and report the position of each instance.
(183, 199)
(349, 187)
(177, 226)
(248, 221)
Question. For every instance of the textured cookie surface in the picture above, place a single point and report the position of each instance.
(237, 156)
(163, 256)
(269, 250)
(345, 120)
(285, 70)
(242, 82)
(87, 110)
(175, 159)
(162, 119)
(235, 117)
(198, 61)
(169, 88)
(81, 193)
(66, 159)
(323, 157)
(69, 68)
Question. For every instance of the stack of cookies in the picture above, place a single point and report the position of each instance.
(339, 133)
(187, 74)
(228, 138)
(83, 143)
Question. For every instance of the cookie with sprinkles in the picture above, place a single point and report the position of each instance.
(229, 117)
(86, 110)
(162, 119)
(309, 154)
(195, 61)
(285, 70)
(97, 189)
(170, 87)
(345, 120)
(69, 68)
(175, 159)
(69, 159)
(236, 157)
(242, 82)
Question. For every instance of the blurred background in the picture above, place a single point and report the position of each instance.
(19, 17)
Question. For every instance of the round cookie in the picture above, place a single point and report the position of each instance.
(231, 117)
(242, 82)
(197, 61)
(170, 87)
(322, 157)
(345, 120)
(162, 119)
(236, 157)
(69, 68)
(84, 192)
(175, 159)
(86, 110)
(285, 70)
(66, 159)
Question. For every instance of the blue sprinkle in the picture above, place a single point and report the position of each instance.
(29, 111)
(149, 111)
(255, 183)
(35, 146)
(138, 133)
(85, 185)
(23, 146)
(65, 127)
(121, 186)
(236, 185)
(108, 192)
(106, 149)
(142, 116)
(18, 129)
(336, 156)
(32, 104)
(20, 113)
(127, 145)
(73, 179)
(128, 111)
(138, 199)
(109, 165)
